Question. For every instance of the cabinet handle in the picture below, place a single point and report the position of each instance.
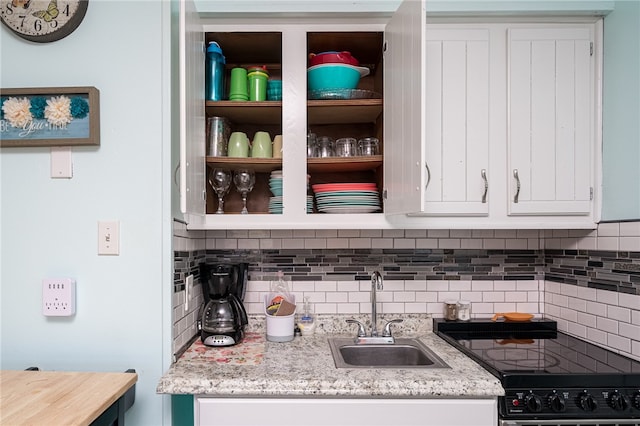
(428, 175)
(176, 175)
(483, 173)
(515, 175)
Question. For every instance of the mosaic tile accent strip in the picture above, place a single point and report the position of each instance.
(395, 264)
(185, 263)
(607, 270)
(617, 271)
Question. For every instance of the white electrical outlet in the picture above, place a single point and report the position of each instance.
(58, 297)
(188, 292)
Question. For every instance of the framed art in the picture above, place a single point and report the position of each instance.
(49, 116)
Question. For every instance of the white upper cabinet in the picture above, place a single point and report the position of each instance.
(551, 82)
(457, 122)
(392, 51)
(511, 113)
(192, 117)
(481, 125)
(404, 97)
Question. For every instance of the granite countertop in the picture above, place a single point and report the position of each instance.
(304, 367)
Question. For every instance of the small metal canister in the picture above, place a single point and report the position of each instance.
(218, 132)
(450, 310)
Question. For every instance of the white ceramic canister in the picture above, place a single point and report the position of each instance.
(464, 310)
(279, 328)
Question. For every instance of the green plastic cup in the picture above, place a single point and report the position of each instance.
(238, 90)
(258, 85)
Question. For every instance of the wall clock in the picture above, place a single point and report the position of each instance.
(42, 21)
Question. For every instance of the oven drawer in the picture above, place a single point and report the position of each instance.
(569, 422)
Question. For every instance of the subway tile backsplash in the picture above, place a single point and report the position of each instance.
(535, 271)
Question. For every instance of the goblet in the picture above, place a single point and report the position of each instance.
(220, 181)
(245, 180)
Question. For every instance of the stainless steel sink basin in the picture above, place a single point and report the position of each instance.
(405, 353)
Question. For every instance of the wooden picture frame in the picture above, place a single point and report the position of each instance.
(49, 116)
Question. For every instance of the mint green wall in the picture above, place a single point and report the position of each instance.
(49, 228)
(621, 113)
(387, 7)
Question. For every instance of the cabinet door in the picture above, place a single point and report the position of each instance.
(404, 62)
(550, 120)
(353, 412)
(192, 118)
(457, 121)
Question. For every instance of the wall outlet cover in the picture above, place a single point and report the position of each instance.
(58, 297)
(188, 292)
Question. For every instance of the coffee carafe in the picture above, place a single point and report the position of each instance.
(223, 317)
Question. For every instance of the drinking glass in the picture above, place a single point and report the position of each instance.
(325, 147)
(220, 181)
(244, 180)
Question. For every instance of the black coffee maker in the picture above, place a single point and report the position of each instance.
(223, 317)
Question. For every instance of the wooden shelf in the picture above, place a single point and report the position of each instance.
(343, 111)
(343, 164)
(316, 165)
(319, 111)
(260, 165)
(257, 112)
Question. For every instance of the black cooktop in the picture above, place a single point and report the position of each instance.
(548, 374)
(527, 351)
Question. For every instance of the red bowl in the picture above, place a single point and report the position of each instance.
(343, 57)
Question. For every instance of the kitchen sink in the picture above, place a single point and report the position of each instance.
(404, 353)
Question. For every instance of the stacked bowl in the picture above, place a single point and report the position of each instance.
(275, 185)
(334, 70)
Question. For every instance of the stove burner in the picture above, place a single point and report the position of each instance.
(521, 359)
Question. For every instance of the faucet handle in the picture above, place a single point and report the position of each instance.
(361, 331)
(387, 327)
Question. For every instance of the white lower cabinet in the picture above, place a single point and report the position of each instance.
(352, 412)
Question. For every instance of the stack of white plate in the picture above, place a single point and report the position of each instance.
(275, 205)
(347, 197)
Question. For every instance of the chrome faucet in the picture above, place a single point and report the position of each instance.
(376, 284)
(374, 338)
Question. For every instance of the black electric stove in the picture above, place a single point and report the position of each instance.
(547, 374)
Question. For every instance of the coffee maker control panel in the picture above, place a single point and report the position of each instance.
(219, 340)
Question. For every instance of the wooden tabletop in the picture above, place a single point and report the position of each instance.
(58, 398)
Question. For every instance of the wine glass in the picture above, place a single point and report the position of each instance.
(220, 181)
(244, 180)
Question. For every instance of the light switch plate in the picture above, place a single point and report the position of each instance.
(61, 162)
(109, 238)
(58, 297)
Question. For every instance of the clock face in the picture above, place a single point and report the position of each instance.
(42, 20)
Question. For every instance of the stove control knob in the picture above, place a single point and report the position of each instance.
(618, 401)
(556, 402)
(635, 400)
(587, 402)
(533, 403)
